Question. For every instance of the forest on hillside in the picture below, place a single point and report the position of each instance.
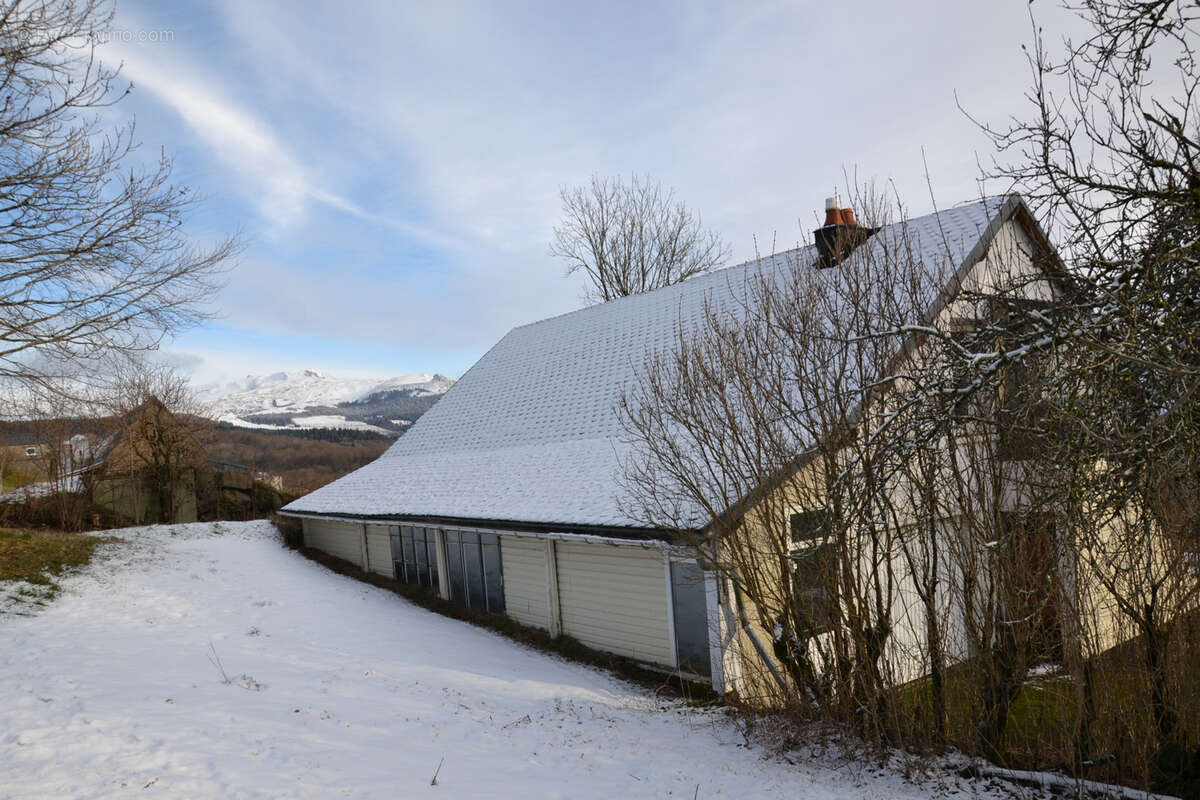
(304, 459)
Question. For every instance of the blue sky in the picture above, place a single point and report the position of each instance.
(395, 168)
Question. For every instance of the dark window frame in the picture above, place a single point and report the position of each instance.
(813, 563)
(417, 562)
(479, 582)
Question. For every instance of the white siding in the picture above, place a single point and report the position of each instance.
(341, 539)
(525, 596)
(379, 550)
(614, 598)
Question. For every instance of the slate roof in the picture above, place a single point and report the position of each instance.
(529, 434)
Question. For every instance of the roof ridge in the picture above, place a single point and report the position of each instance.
(690, 282)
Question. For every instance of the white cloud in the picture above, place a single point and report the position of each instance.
(274, 179)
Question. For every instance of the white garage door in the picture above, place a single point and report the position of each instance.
(524, 564)
(379, 550)
(341, 539)
(614, 598)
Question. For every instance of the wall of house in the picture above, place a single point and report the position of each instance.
(526, 594)
(1129, 555)
(135, 500)
(186, 508)
(123, 496)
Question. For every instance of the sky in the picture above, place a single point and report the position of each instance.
(394, 168)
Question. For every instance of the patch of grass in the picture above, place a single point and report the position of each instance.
(34, 556)
(15, 479)
(1041, 718)
(1045, 722)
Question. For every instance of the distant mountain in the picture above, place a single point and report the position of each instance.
(312, 399)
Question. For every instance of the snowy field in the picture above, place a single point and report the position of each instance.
(340, 689)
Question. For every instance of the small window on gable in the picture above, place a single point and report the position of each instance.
(807, 526)
(963, 326)
(814, 570)
(966, 332)
(31, 451)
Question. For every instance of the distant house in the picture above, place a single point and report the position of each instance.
(506, 494)
(29, 468)
(22, 451)
(149, 470)
(21, 454)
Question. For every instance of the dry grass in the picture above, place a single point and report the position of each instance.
(15, 479)
(31, 555)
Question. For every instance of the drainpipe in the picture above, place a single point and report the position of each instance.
(749, 630)
(553, 605)
(443, 563)
(364, 550)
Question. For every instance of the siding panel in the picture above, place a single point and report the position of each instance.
(524, 564)
(614, 598)
(340, 539)
(379, 550)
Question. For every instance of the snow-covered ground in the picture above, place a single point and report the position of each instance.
(327, 421)
(339, 689)
(70, 484)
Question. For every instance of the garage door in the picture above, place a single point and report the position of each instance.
(614, 598)
(379, 550)
(525, 597)
(341, 539)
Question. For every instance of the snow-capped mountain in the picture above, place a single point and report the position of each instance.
(310, 398)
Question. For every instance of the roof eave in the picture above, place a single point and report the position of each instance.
(631, 532)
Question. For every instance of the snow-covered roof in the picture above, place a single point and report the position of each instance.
(530, 433)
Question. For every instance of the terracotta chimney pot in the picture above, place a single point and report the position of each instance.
(833, 214)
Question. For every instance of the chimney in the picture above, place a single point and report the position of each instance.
(833, 211)
(839, 235)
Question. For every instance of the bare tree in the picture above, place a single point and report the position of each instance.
(54, 417)
(93, 257)
(162, 429)
(1110, 154)
(629, 238)
(764, 428)
(827, 443)
(1022, 487)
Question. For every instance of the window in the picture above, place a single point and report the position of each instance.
(1023, 412)
(475, 575)
(31, 451)
(414, 552)
(807, 526)
(1030, 580)
(454, 567)
(493, 578)
(814, 570)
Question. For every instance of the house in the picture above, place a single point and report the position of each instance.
(21, 451)
(148, 471)
(22, 458)
(506, 495)
(35, 463)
